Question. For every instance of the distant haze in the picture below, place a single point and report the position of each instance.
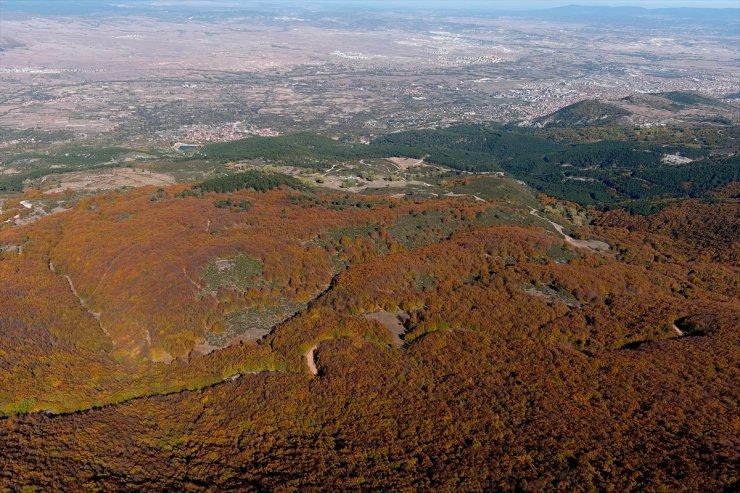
(529, 4)
(543, 4)
(491, 5)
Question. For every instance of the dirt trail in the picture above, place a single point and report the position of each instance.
(453, 194)
(190, 279)
(333, 167)
(311, 361)
(110, 266)
(594, 245)
(83, 304)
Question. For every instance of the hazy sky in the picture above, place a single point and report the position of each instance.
(525, 4)
(500, 5)
(492, 5)
(636, 3)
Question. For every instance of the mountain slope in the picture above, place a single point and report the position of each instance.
(675, 108)
(585, 113)
(499, 386)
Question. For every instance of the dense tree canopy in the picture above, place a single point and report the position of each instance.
(527, 363)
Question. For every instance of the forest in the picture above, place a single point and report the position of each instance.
(526, 362)
(249, 179)
(596, 166)
(575, 331)
(620, 173)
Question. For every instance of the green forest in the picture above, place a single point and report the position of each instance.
(605, 174)
(592, 166)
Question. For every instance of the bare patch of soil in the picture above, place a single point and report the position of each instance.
(108, 179)
(404, 163)
(391, 321)
(311, 360)
(551, 295)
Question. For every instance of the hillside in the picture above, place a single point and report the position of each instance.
(369, 246)
(141, 282)
(526, 361)
(405, 330)
(585, 113)
(470, 307)
(675, 101)
(674, 108)
(605, 169)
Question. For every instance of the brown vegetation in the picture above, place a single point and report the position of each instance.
(588, 388)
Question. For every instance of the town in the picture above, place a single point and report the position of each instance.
(287, 75)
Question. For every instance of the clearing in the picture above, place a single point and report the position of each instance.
(404, 163)
(393, 321)
(107, 179)
(593, 245)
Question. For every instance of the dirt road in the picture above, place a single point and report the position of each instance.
(310, 360)
(594, 245)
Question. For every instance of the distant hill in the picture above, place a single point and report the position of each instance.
(676, 107)
(674, 101)
(585, 113)
(680, 107)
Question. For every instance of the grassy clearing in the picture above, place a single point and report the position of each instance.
(497, 216)
(496, 189)
(552, 293)
(560, 254)
(188, 171)
(420, 229)
(253, 323)
(351, 231)
(239, 273)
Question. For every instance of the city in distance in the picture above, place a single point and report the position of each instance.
(369, 245)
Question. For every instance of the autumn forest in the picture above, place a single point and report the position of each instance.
(524, 359)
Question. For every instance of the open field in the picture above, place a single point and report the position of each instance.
(110, 179)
